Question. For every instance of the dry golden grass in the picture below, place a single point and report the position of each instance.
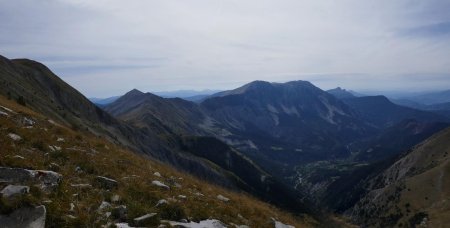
(134, 173)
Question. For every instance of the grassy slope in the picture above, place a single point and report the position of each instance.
(415, 187)
(134, 174)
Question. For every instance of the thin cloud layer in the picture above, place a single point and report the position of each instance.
(170, 45)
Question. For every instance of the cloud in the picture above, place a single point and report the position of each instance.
(199, 44)
(429, 31)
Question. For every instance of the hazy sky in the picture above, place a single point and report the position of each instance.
(107, 47)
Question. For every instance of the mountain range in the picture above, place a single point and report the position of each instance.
(290, 144)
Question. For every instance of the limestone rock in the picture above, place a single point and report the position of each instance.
(161, 202)
(106, 183)
(145, 220)
(14, 190)
(45, 179)
(222, 198)
(115, 198)
(14, 137)
(103, 206)
(160, 184)
(25, 217)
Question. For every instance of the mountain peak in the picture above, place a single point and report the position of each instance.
(134, 92)
(257, 85)
(340, 93)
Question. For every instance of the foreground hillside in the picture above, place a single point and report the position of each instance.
(83, 180)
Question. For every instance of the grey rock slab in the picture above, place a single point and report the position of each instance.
(145, 219)
(160, 184)
(15, 175)
(46, 179)
(161, 202)
(14, 137)
(25, 217)
(210, 223)
(106, 182)
(222, 198)
(14, 190)
(103, 206)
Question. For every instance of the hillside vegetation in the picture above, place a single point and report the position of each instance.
(32, 141)
(413, 191)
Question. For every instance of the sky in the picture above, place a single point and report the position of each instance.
(108, 47)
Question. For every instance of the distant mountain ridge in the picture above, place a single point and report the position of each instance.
(432, 98)
(103, 101)
(340, 93)
(185, 93)
(281, 123)
(381, 112)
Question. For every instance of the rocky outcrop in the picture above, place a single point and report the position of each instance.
(45, 179)
(14, 190)
(25, 217)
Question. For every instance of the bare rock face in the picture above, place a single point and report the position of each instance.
(45, 179)
(25, 217)
(15, 175)
(14, 190)
(48, 179)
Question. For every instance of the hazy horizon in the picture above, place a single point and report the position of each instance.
(397, 46)
(389, 93)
